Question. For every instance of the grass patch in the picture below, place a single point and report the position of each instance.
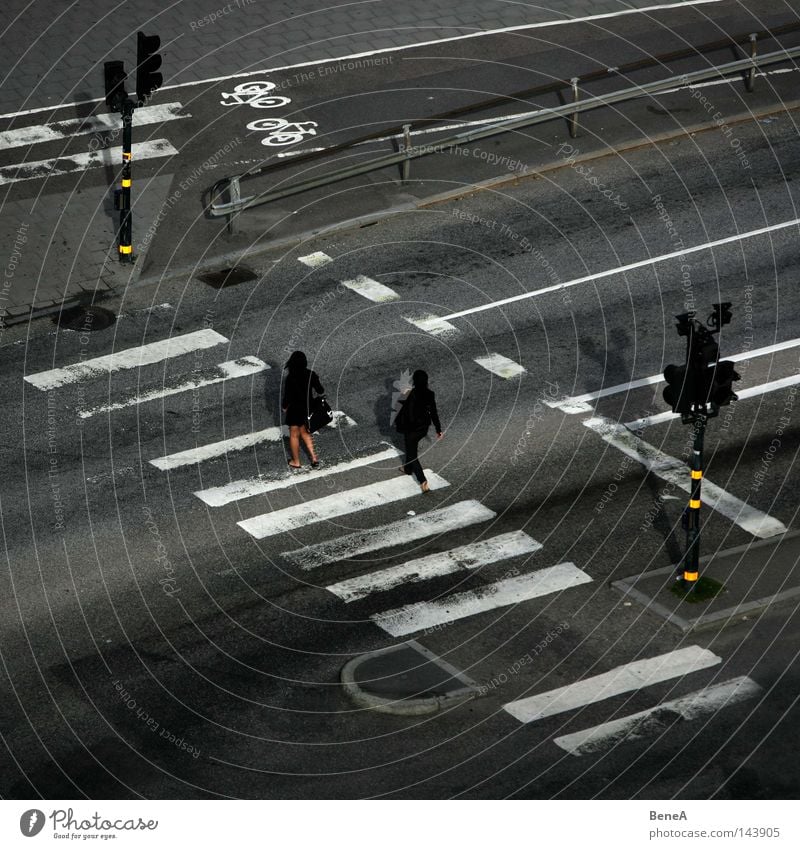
(704, 589)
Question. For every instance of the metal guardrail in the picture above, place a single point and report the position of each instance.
(403, 157)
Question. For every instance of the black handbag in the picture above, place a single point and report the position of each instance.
(319, 414)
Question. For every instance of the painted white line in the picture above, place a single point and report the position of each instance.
(623, 679)
(243, 367)
(40, 133)
(82, 161)
(676, 472)
(743, 394)
(656, 720)
(434, 325)
(440, 521)
(371, 289)
(144, 355)
(578, 403)
(192, 456)
(218, 496)
(431, 614)
(338, 504)
(349, 56)
(500, 365)
(315, 260)
(471, 556)
(623, 269)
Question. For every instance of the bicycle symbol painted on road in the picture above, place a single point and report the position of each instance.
(282, 132)
(255, 94)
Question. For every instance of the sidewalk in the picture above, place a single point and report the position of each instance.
(755, 577)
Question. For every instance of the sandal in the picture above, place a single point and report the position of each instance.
(315, 464)
(292, 465)
(424, 486)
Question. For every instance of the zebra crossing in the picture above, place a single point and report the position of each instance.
(59, 133)
(525, 584)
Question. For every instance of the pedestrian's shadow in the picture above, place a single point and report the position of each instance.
(273, 384)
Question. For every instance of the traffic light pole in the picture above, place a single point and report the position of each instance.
(125, 240)
(691, 561)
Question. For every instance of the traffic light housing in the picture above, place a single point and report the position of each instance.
(721, 390)
(115, 77)
(148, 61)
(681, 388)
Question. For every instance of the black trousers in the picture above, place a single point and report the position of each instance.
(412, 465)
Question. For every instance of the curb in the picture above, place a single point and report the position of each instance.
(721, 618)
(400, 706)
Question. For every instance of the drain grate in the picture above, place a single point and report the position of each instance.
(228, 277)
(85, 319)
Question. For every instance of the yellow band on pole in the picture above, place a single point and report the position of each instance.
(694, 504)
(696, 474)
(126, 184)
(690, 576)
(126, 249)
(127, 156)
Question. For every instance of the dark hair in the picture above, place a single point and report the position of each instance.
(420, 379)
(297, 361)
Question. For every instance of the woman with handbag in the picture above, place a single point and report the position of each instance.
(413, 420)
(296, 404)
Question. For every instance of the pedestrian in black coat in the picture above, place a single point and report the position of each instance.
(296, 403)
(413, 420)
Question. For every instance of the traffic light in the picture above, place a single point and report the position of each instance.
(681, 388)
(723, 375)
(148, 62)
(115, 85)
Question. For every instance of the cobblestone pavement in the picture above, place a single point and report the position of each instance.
(53, 50)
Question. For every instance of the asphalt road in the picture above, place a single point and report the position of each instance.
(152, 647)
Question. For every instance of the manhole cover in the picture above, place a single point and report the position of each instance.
(228, 277)
(85, 319)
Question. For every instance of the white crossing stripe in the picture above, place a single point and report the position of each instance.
(371, 289)
(243, 367)
(500, 365)
(431, 614)
(676, 472)
(338, 504)
(434, 325)
(471, 556)
(106, 122)
(218, 496)
(578, 403)
(82, 161)
(440, 521)
(623, 679)
(315, 260)
(656, 720)
(742, 394)
(144, 355)
(192, 456)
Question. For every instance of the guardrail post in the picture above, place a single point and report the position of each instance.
(235, 195)
(573, 121)
(405, 169)
(750, 79)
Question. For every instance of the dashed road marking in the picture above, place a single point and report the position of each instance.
(432, 614)
(500, 365)
(315, 260)
(371, 289)
(471, 556)
(82, 162)
(439, 521)
(338, 504)
(434, 325)
(144, 355)
(623, 679)
(218, 496)
(676, 472)
(657, 720)
(244, 367)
